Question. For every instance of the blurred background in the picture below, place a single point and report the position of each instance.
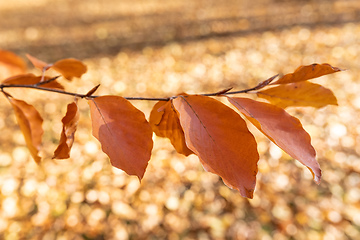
(158, 48)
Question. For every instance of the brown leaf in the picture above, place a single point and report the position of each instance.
(70, 68)
(43, 66)
(11, 64)
(299, 94)
(221, 140)
(70, 122)
(31, 79)
(124, 133)
(30, 123)
(165, 123)
(304, 73)
(281, 128)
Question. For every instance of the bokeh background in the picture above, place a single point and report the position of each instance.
(157, 48)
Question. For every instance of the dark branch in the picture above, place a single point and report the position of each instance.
(87, 95)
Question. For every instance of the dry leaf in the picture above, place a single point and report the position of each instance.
(124, 133)
(43, 66)
(11, 64)
(283, 129)
(304, 73)
(165, 123)
(30, 123)
(70, 122)
(31, 79)
(221, 140)
(70, 68)
(299, 94)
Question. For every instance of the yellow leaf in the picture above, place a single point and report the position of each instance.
(299, 94)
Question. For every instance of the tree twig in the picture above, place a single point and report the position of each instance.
(38, 86)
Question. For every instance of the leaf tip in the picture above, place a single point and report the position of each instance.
(248, 193)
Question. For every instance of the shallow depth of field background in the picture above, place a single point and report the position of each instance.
(156, 48)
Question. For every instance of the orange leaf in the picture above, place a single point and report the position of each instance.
(70, 68)
(31, 79)
(38, 63)
(304, 73)
(11, 64)
(283, 129)
(124, 133)
(165, 123)
(30, 123)
(299, 94)
(70, 122)
(221, 140)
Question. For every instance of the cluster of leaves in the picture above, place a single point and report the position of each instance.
(195, 124)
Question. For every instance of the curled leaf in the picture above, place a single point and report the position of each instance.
(30, 123)
(31, 79)
(124, 133)
(70, 122)
(281, 128)
(304, 73)
(70, 68)
(165, 123)
(299, 94)
(221, 140)
(11, 64)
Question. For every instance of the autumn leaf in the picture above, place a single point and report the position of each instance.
(281, 128)
(70, 68)
(43, 66)
(221, 140)
(11, 64)
(165, 123)
(304, 73)
(70, 122)
(124, 133)
(30, 123)
(299, 94)
(31, 79)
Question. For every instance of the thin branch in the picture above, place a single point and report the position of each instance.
(37, 86)
(42, 82)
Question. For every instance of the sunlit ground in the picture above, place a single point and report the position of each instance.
(85, 198)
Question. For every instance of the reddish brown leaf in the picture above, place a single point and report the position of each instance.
(30, 123)
(70, 68)
(165, 123)
(31, 79)
(221, 140)
(11, 64)
(283, 129)
(70, 122)
(304, 73)
(299, 94)
(124, 133)
(38, 63)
